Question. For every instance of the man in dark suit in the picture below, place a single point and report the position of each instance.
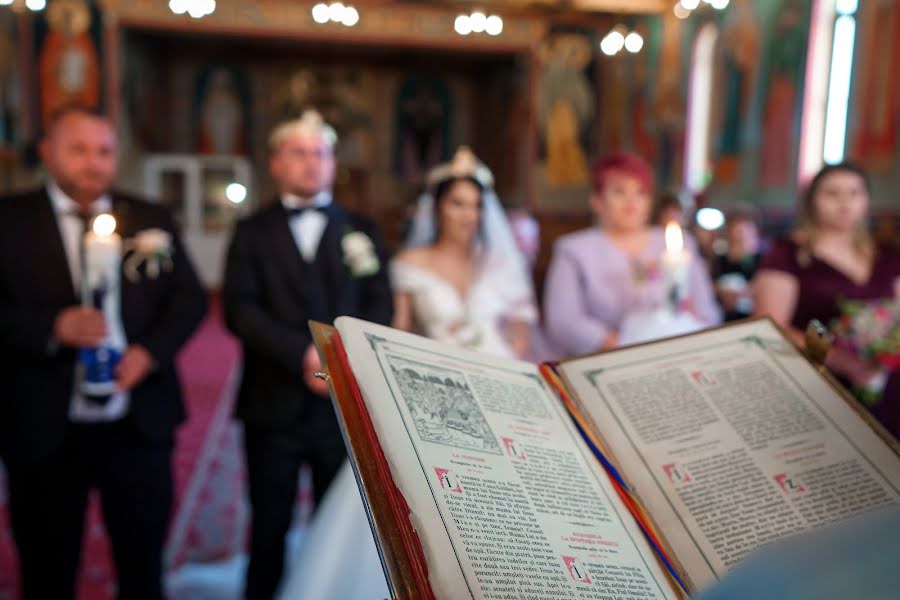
(301, 258)
(55, 443)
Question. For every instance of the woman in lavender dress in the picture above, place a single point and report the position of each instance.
(829, 257)
(601, 275)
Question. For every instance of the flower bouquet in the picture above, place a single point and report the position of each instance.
(870, 330)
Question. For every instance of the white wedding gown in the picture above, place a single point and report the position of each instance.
(497, 295)
(339, 559)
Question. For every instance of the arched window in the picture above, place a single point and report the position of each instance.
(839, 81)
(699, 113)
(829, 66)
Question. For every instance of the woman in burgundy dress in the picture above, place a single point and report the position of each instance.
(831, 256)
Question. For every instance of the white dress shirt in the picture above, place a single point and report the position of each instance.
(307, 228)
(71, 228)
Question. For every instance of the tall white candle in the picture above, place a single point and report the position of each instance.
(102, 257)
(100, 289)
(676, 263)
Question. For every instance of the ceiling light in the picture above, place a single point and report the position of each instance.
(320, 13)
(195, 8)
(494, 25)
(681, 12)
(615, 40)
(634, 42)
(351, 17)
(606, 47)
(478, 21)
(336, 12)
(462, 25)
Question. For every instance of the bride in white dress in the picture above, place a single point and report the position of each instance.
(461, 280)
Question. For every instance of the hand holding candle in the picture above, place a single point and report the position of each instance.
(79, 326)
(135, 366)
(676, 263)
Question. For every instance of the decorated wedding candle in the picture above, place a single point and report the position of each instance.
(102, 256)
(676, 263)
(100, 290)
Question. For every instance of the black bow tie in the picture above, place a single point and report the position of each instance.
(296, 212)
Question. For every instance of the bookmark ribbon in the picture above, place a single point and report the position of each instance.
(551, 376)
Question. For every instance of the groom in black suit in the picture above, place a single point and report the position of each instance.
(300, 258)
(55, 443)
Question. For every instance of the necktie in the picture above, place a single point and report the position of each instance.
(84, 219)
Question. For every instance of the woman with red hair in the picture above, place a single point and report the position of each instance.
(601, 274)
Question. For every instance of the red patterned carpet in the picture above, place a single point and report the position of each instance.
(210, 514)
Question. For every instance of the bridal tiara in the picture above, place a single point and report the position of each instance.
(464, 164)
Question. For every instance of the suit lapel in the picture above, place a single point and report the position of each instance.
(126, 221)
(50, 253)
(330, 258)
(125, 227)
(132, 296)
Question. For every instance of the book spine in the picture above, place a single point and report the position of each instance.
(412, 546)
(550, 375)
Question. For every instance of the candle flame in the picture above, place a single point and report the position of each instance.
(104, 225)
(674, 238)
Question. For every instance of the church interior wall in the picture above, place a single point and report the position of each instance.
(548, 86)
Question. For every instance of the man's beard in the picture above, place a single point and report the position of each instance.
(83, 187)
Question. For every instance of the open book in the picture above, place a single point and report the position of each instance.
(642, 473)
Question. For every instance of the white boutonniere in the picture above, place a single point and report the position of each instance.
(151, 248)
(359, 254)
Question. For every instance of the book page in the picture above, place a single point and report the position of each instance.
(504, 495)
(732, 439)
